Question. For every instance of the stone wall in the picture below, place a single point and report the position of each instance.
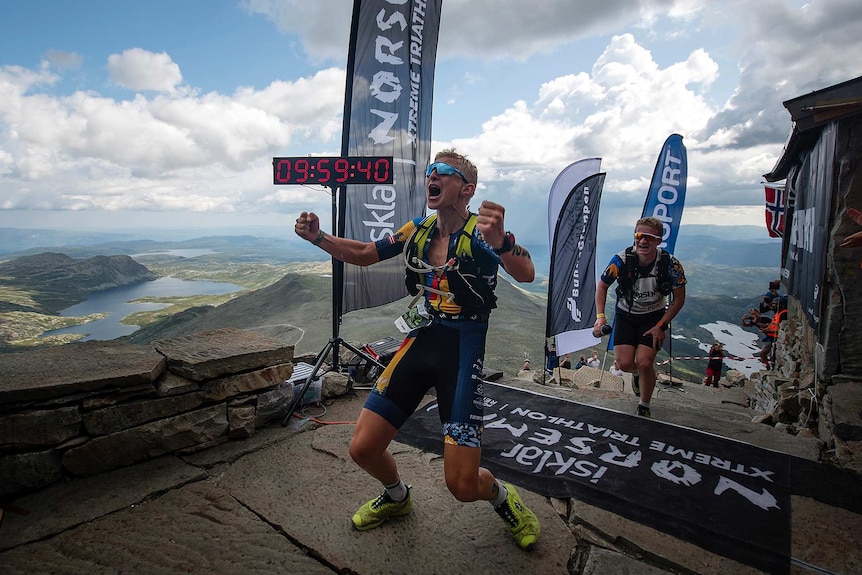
(806, 392)
(808, 397)
(85, 408)
(776, 391)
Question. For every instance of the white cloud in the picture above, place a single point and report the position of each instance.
(176, 151)
(140, 70)
(323, 25)
(479, 30)
(640, 72)
(785, 52)
(519, 30)
(622, 113)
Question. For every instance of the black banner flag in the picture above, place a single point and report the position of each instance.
(390, 89)
(572, 283)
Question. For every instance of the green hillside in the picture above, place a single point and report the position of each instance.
(297, 309)
(288, 295)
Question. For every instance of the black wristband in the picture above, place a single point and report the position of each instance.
(508, 244)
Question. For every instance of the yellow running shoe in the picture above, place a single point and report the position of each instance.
(522, 522)
(379, 509)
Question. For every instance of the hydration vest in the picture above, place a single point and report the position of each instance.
(629, 274)
(471, 292)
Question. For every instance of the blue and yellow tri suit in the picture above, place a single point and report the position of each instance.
(448, 354)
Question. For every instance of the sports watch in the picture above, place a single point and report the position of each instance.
(508, 244)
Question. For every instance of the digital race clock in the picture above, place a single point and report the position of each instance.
(332, 170)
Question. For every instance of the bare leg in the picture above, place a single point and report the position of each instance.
(469, 482)
(625, 356)
(369, 447)
(466, 480)
(646, 369)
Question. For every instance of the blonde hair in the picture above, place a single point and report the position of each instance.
(651, 222)
(461, 162)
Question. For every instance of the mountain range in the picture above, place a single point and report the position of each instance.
(54, 281)
(290, 299)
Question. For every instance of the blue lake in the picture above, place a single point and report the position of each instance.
(117, 302)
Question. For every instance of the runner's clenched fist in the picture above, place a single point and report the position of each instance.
(490, 223)
(307, 226)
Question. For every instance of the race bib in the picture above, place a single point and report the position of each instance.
(414, 318)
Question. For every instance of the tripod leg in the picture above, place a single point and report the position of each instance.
(298, 396)
(331, 345)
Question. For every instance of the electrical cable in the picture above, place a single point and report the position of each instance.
(316, 420)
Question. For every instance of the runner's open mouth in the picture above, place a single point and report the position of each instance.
(434, 191)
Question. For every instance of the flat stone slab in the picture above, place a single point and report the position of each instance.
(76, 368)
(196, 529)
(309, 487)
(281, 503)
(210, 354)
(601, 561)
(640, 541)
(833, 545)
(65, 505)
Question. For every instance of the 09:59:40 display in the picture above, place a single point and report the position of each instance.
(332, 170)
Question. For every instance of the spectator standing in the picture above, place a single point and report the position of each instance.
(713, 366)
(551, 360)
(769, 296)
(754, 318)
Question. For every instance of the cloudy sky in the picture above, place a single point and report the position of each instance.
(137, 114)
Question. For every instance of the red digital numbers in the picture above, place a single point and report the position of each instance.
(381, 170)
(323, 173)
(301, 167)
(342, 170)
(365, 169)
(332, 170)
(282, 173)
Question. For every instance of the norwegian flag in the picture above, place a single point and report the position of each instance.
(775, 212)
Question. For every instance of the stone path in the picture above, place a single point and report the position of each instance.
(280, 502)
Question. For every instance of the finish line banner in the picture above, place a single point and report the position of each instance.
(728, 497)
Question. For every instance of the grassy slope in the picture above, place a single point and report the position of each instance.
(297, 309)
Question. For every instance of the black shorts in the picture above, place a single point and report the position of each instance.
(446, 355)
(629, 328)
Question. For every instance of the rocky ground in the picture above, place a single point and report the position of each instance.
(279, 502)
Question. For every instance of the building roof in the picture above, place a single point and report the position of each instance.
(809, 113)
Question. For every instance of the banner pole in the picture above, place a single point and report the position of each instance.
(339, 193)
(339, 198)
(670, 353)
(337, 265)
